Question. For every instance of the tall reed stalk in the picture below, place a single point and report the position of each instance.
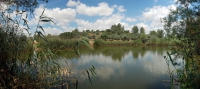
(22, 66)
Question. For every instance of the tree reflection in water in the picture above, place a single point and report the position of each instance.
(124, 67)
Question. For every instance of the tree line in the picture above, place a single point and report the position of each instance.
(116, 32)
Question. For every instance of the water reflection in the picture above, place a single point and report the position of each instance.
(123, 67)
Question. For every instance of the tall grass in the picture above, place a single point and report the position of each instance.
(99, 42)
(22, 65)
(153, 41)
(56, 43)
(185, 60)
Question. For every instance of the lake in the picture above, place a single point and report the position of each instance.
(133, 67)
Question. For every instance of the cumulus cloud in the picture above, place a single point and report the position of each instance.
(130, 19)
(61, 16)
(72, 3)
(100, 24)
(67, 28)
(121, 9)
(53, 31)
(106, 16)
(114, 6)
(102, 9)
(155, 14)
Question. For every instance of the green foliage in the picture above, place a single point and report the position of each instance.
(116, 37)
(183, 22)
(153, 40)
(134, 36)
(137, 42)
(117, 29)
(124, 37)
(142, 31)
(143, 36)
(104, 36)
(160, 33)
(23, 65)
(163, 41)
(135, 30)
(98, 42)
(153, 33)
(66, 35)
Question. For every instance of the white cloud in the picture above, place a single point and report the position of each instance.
(61, 16)
(154, 16)
(72, 3)
(121, 9)
(114, 6)
(130, 19)
(53, 31)
(67, 28)
(156, 12)
(102, 9)
(100, 24)
(107, 17)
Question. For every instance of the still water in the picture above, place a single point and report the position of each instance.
(121, 67)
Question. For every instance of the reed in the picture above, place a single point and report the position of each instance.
(23, 65)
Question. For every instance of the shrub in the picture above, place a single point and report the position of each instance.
(98, 42)
(153, 40)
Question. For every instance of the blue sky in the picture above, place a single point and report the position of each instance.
(101, 14)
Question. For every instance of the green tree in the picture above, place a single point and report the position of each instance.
(153, 33)
(143, 36)
(185, 21)
(142, 31)
(135, 30)
(104, 36)
(75, 33)
(75, 30)
(160, 33)
(119, 29)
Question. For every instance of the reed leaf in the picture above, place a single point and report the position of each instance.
(89, 76)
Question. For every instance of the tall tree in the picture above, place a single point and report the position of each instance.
(119, 29)
(186, 21)
(75, 30)
(160, 33)
(142, 30)
(153, 33)
(185, 18)
(135, 30)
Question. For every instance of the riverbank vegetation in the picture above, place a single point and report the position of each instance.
(185, 57)
(23, 65)
(27, 61)
(115, 36)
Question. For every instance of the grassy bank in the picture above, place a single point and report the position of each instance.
(151, 42)
(56, 43)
